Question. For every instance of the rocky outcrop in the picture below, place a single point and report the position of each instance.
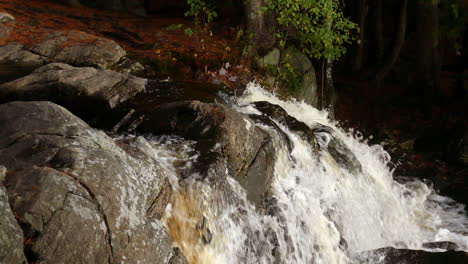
(17, 54)
(79, 89)
(299, 63)
(80, 49)
(6, 18)
(225, 139)
(11, 236)
(79, 195)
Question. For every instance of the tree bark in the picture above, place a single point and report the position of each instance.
(362, 9)
(427, 61)
(399, 41)
(259, 25)
(377, 14)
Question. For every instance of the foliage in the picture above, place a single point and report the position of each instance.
(202, 12)
(453, 18)
(319, 26)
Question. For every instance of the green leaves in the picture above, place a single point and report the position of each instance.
(202, 12)
(320, 27)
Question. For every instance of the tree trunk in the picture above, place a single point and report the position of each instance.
(362, 10)
(377, 14)
(399, 40)
(260, 25)
(427, 66)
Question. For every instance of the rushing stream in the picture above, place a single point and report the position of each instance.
(317, 210)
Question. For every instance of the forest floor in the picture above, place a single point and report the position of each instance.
(420, 136)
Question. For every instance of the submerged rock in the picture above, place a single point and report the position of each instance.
(79, 195)
(84, 90)
(391, 255)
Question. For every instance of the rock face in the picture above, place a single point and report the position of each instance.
(225, 139)
(302, 65)
(272, 58)
(11, 237)
(79, 196)
(80, 49)
(79, 89)
(18, 55)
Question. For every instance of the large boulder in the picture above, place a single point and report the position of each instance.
(225, 139)
(79, 195)
(11, 236)
(17, 54)
(80, 49)
(82, 90)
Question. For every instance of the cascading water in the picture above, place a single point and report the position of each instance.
(318, 211)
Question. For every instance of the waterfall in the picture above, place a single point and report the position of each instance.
(317, 211)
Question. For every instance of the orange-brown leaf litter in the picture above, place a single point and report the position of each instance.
(142, 37)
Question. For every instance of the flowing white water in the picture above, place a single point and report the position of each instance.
(321, 213)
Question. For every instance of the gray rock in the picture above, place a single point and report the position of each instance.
(298, 60)
(11, 236)
(128, 66)
(308, 89)
(74, 87)
(80, 49)
(6, 18)
(226, 139)
(79, 195)
(17, 54)
(271, 59)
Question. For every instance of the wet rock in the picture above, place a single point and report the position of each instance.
(16, 54)
(11, 236)
(277, 113)
(343, 156)
(80, 49)
(178, 257)
(225, 139)
(392, 255)
(84, 90)
(80, 196)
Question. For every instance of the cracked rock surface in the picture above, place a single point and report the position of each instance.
(78, 196)
(77, 88)
(81, 49)
(11, 244)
